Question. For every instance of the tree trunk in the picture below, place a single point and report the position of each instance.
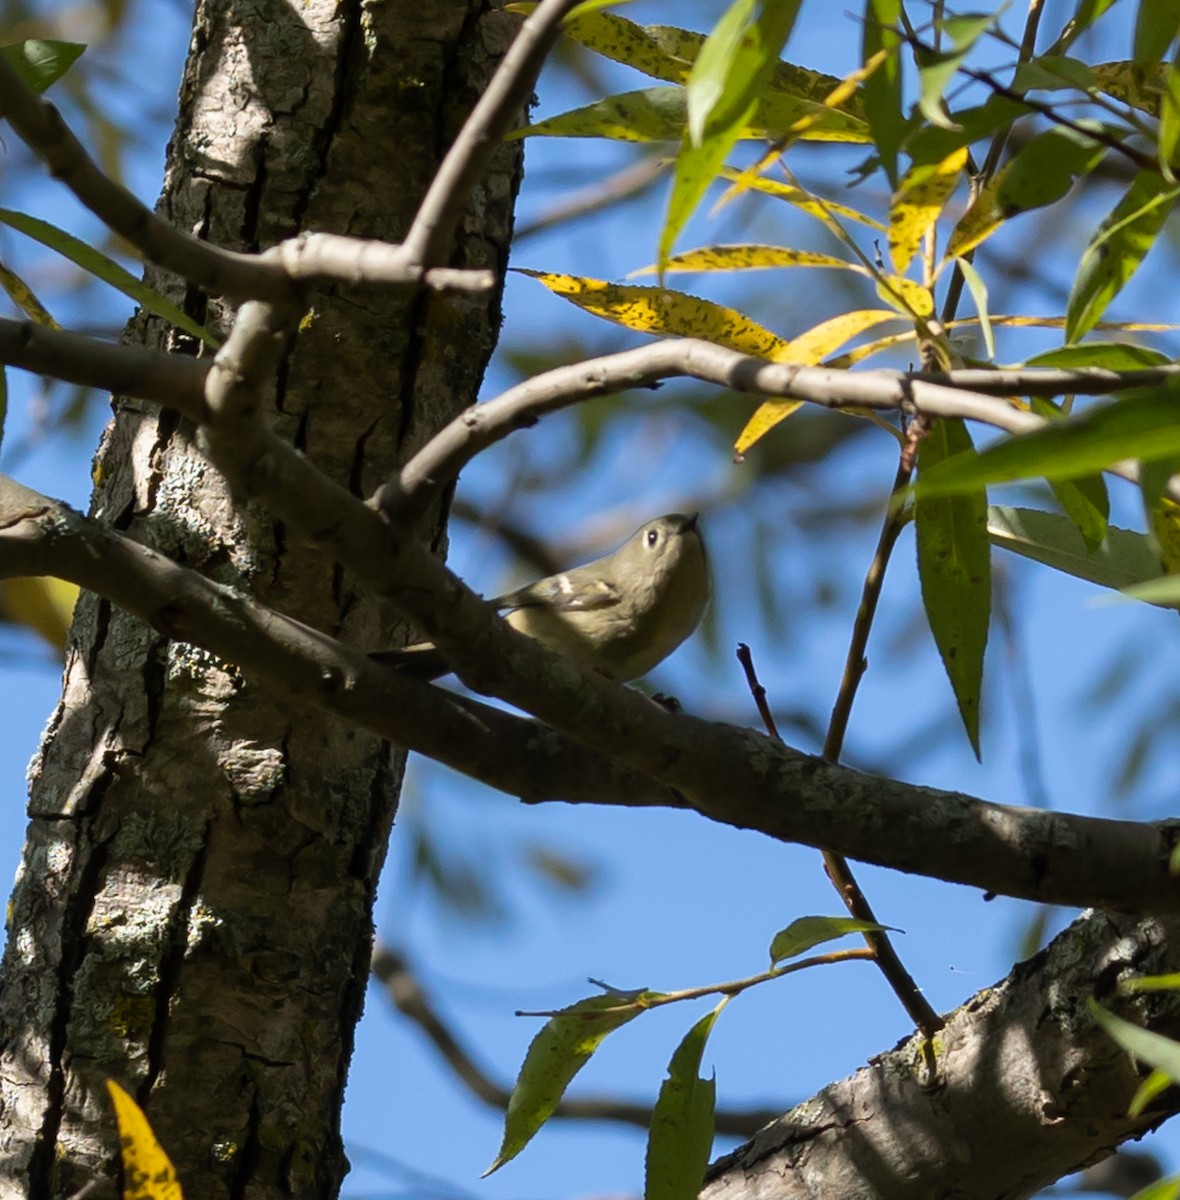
(193, 911)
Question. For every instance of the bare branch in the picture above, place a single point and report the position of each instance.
(428, 241)
(408, 996)
(973, 395)
(632, 752)
(280, 275)
(123, 370)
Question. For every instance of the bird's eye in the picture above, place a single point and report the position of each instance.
(653, 536)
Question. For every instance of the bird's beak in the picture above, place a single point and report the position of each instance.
(690, 523)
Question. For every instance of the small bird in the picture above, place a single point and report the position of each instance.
(619, 615)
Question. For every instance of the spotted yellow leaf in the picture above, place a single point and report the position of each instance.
(907, 296)
(800, 198)
(749, 256)
(920, 198)
(660, 310)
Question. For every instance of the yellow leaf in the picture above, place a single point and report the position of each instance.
(750, 257)
(147, 1172)
(659, 310)
(25, 299)
(42, 603)
(819, 341)
(802, 199)
(765, 418)
(921, 196)
(981, 220)
(907, 296)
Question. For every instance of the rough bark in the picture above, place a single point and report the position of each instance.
(1019, 1088)
(193, 912)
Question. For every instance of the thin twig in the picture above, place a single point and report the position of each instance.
(411, 1000)
(428, 240)
(880, 948)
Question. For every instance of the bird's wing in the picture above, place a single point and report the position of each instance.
(559, 594)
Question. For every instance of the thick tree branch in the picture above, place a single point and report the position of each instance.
(639, 754)
(1023, 1088)
(407, 995)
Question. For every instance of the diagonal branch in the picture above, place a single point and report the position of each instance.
(639, 753)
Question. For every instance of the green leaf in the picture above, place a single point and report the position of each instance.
(954, 567)
(40, 63)
(1169, 130)
(933, 144)
(882, 88)
(978, 290)
(95, 263)
(1118, 247)
(805, 932)
(1088, 12)
(1046, 168)
(735, 65)
(1085, 499)
(1124, 559)
(681, 1135)
(714, 70)
(1156, 25)
(1144, 424)
(1163, 592)
(561, 1049)
(725, 85)
(936, 69)
(1157, 1051)
(1113, 356)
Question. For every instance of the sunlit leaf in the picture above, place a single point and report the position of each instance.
(681, 1134)
(1112, 356)
(1116, 250)
(748, 257)
(1124, 559)
(805, 933)
(558, 1052)
(882, 89)
(1040, 173)
(148, 1173)
(808, 348)
(954, 567)
(724, 88)
(660, 310)
(936, 69)
(906, 295)
(1142, 424)
(918, 202)
(41, 62)
(816, 343)
(1088, 12)
(802, 199)
(658, 114)
(95, 263)
(40, 603)
(1169, 130)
